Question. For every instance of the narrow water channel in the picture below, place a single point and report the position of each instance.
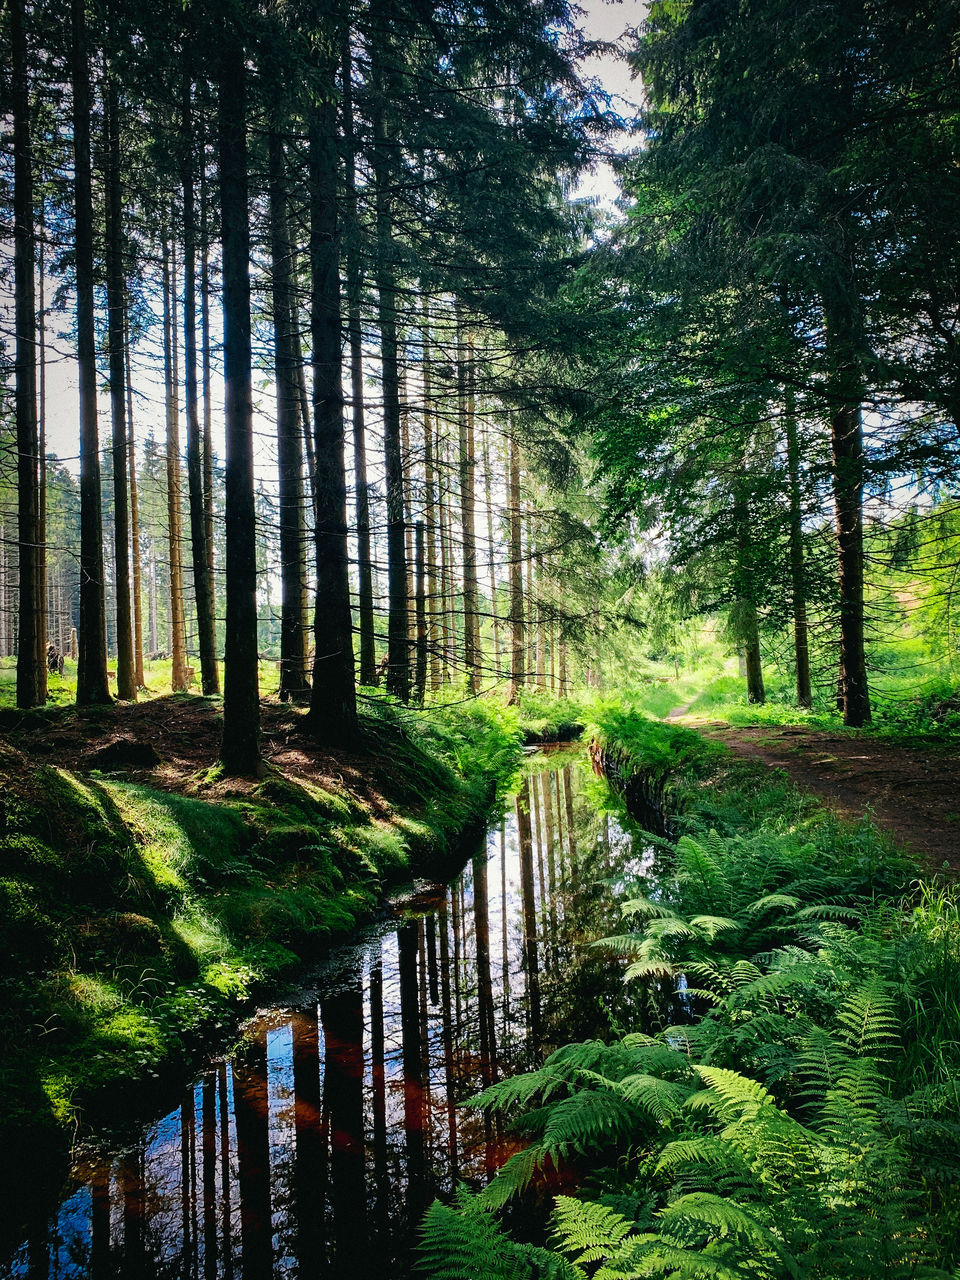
(315, 1149)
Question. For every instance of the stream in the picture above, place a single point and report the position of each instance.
(314, 1149)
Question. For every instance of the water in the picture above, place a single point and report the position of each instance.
(315, 1149)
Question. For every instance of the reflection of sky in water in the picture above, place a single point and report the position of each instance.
(577, 880)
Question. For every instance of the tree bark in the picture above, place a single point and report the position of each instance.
(421, 614)
(746, 622)
(178, 630)
(333, 705)
(240, 746)
(398, 638)
(134, 514)
(365, 612)
(468, 466)
(430, 501)
(205, 376)
(92, 653)
(31, 666)
(126, 672)
(798, 578)
(488, 496)
(206, 641)
(293, 669)
(845, 395)
(517, 637)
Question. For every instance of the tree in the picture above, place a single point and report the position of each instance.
(240, 745)
(92, 660)
(31, 651)
(333, 707)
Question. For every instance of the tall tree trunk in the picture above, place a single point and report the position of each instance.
(92, 655)
(398, 638)
(333, 705)
(293, 671)
(205, 377)
(798, 577)
(206, 642)
(430, 501)
(31, 667)
(365, 612)
(468, 466)
(845, 395)
(43, 627)
(134, 515)
(517, 637)
(240, 746)
(178, 636)
(406, 454)
(745, 615)
(446, 568)
(126, 672)
(541, 640)
(420, 596)
(488, 497)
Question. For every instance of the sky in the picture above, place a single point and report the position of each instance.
(606, 20)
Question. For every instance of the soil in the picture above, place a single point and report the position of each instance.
(171, 742)
(912, 789)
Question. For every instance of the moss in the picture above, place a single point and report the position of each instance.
(135, 924)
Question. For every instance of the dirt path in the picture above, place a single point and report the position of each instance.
(913, 790)
(677, 712)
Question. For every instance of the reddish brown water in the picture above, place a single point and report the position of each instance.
(314, 1150)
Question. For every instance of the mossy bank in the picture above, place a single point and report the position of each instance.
(137, 923)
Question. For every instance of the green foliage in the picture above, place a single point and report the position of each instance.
(802, 1121)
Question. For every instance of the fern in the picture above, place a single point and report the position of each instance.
(467, 1243)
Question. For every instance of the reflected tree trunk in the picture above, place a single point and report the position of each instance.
(100, 1263)
(226, 1209)
(131, 1179)
(251, 1111)
(407, 944)
(342, 1017)
(528, 895)
(446, 1024)
(309, 1150)
(379, 1100)
(208, 1152)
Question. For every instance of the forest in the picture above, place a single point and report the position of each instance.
(479, 638)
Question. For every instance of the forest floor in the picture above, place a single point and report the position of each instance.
(172, 743)
(911, 787)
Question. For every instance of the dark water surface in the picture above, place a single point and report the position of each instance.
(315, 1149)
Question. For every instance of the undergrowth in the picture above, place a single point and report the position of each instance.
(802, 1121)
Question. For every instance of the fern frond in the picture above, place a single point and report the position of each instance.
(830, 911)
(518, 1090)
(588, 1231)
(466, 1243)
(868, 1022)
(722, 1217)
(512, 1178)
(645, 907)
(649, 969)
(784, 901)
(710, 926)
(662, 1099)
(737, 1093)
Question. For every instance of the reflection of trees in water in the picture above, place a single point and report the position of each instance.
(316, 1150)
